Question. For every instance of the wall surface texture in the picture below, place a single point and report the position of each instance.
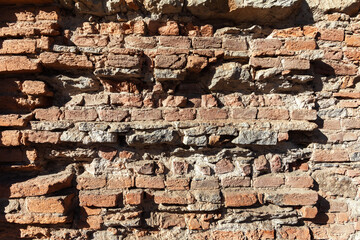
(179, 119)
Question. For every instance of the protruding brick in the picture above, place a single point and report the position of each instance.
(196, 63)
(49, 204)
(134, 197)
(239, 199)
(10, 138)
(96, 199)
(333, 155)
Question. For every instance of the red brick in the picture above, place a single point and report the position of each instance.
(81, 115)
(288, 32)
(35, 88)
(265, 62)
(171, 28)
(239, 199)
(18, 46)
(181, 198)
(351, 95)
(146, 115)
(299, 181)
(308, 212)
(268, 181)
(96, 99)
(336, 35)
(112, 115)
(266, 44)
(175, 101)
(348, 124)
(212, 114)
(41, 185)
(170, 61)
(339, 68)
(58, 204)
(273, 114)
(90, 182)
(244, 113)
(156, 182)
(48, 114)
(16, 32)
(235, 182)
(175, 42)
(295, 64)
(140, 42)
(235, 44)
(126, 100)
(177, 183)
(41, 137)
(334, 155)
(90, 41)
(298, 45)
(65, 61)
(224, 166)
(123, 61)
(207, 184)
(26, 218)
(333, 124)
(292, 233)
(95, 199)
(351, 54)
(120, 182)
(10, 138)
(196, 63)
(134, 197)
(303, 114)
(206, 42)
(18, 64)
(352, 40)
(337, 206)
(179, 114)
(107, 153)
(300, 198)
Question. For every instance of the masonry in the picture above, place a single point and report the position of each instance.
(158, 119)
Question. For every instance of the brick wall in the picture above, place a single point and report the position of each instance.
(127, 125)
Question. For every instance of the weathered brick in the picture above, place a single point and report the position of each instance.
(179, 114)
(295, 64)
(81, 115)
(332, 124)
(48, 114)
(308, 212)
(291, 32)
(96, 99)
(41, 185)
(300, 199)
(18, 46)
(303, 114)
(126, 100)
(273, 114)
(175, 42)
(140, 42)
(298, 45)
(170, 61)
(299, 181)
(176, 198)
(90, 182)
(41, 137)
(348, 124)
(196, 63)
(177, 183)
(244, 113)
(224, 166)
(65, 61)
(90, 41)
(207, 184)
(10, 138)
(34, 218)
(336, 68)
(268, 181)
(134, 197)
(120, 182)
(239, 199)
(206, 42)
(287, 232)
(212, 114)
(58, 204)
(123, 61)
(235, 44)
(352, 40)
(265, 62)
(171, 28)
(236, 182)
(35, 88)
(96, 199)
(18, 64)
(334, 155)
(108, 115)
(146, 114)
(336, 35)
(156, 182)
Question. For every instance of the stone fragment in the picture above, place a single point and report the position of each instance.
(156, 137)
(257, 137)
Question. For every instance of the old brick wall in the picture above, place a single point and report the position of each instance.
(154, 119)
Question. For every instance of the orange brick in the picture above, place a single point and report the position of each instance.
(297, 45)
(273, 114)
(239, 199)
(96, 199)
(49, 204)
